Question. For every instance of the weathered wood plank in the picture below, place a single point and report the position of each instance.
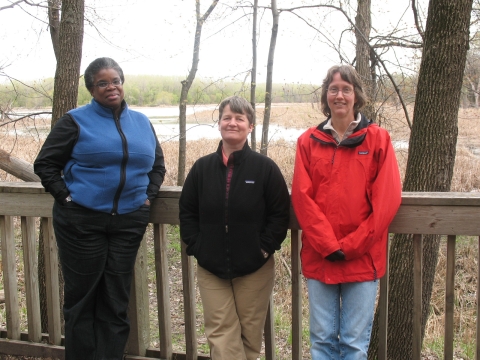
(51, 282)
(24, 348)
(25, 204)
(138, 308)
(188, 276)
(269, 332)
(449, 298)
(163, 290)
(383, 311)
(417, 295)
(437, 220)
(30, 261)
(9, 266)
(296, 295)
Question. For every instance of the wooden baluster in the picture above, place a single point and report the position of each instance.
(10, 277)
(417, 295)
(188, 276)
(163, 291)
(296, 295)
(383, 310)
(138, 309)
(30, 260)
(449, 297)
(51, 282)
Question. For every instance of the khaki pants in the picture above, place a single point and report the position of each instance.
(235, 312)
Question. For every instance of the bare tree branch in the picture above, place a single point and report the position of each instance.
(25, 117)
(417, 23)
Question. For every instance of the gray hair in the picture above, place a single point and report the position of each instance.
(97, 65)
(237, 105)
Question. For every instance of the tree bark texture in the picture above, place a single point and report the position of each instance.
(54, 24)
(70, 43)
(363, 25)
(431, 158)
(186, 84)
(269, 85)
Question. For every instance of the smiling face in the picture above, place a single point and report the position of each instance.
(234, 127)
(110, 96)
(341, 105)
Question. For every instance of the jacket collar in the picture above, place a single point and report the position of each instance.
(238, 156)
(359, 133)
(105, 111)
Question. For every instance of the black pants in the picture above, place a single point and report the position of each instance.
(97, 252)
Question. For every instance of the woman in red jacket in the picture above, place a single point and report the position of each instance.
(346, 190)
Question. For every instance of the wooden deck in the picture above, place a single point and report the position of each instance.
(449, 214)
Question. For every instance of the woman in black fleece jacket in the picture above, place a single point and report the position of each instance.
(234, 213)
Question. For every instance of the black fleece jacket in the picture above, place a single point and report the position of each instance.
(227, 235)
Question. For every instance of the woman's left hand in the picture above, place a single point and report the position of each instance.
(147, 202)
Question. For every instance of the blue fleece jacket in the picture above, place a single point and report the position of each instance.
(109, 164)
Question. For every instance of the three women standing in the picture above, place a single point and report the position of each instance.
(345, 192)
(103, 164)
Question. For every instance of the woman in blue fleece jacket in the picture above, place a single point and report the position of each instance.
(103, 165)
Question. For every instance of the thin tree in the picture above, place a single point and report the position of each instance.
(186, 84)
(253, 84)
(268, 86)
(431, 158)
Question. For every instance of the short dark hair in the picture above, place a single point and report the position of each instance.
(237, 105)
(97, 65)
(350, 75)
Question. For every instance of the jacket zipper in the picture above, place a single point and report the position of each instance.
(123, 167)
(334, 144)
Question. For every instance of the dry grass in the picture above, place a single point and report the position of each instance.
(466, 178)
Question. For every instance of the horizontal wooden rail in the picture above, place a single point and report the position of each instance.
(420, 213)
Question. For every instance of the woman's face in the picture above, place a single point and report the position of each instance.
(234, 127)
(110, 96)
(341, 104)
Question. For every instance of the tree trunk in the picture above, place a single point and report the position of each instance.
(431, 158)
(54, 24)
(268, 89)
(363, 25)
(186, 84)
(253, 84)
(67, 75)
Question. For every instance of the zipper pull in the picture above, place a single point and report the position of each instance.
(226, 229)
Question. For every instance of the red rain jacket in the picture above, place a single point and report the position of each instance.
(345, 196)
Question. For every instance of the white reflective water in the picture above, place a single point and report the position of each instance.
(165, 122)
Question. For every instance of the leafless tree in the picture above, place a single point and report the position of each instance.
(269, 82)
(186, 84)
(253, 83)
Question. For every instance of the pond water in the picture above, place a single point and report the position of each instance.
(165, 122)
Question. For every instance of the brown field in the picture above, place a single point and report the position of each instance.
(22, 140)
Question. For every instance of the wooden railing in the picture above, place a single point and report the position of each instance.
(420, 213)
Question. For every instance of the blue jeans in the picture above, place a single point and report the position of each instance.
(341, 317)
(97, 252)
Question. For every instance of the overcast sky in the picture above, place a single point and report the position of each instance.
(156, 37)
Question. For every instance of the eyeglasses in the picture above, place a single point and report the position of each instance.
(346, 91)
(104, 84)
